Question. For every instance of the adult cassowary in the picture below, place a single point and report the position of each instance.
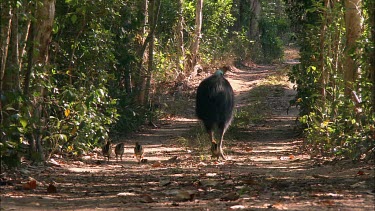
(214, 106)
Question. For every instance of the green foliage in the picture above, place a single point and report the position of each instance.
(216, 22)
(236, 45)
(335, 124)
(272, 45)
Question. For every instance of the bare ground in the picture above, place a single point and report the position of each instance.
(266, 168)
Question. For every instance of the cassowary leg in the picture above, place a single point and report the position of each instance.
(211, 134)
(220, 145)
(214, 145)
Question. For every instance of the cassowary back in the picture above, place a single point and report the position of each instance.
(215, 101)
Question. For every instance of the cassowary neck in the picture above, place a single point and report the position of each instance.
(219, 72)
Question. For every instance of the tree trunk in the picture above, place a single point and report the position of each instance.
(146, 79)
(180, 63)
(10, 79)
(254, 20)
(197, 33)
(150, 61)
(141, 86)
(30, 51)
(6, 23)
(128, 80)
(45, 16)
(353, 25)
(322, 54)
(41, 34)
(371, 8)
(237, 11)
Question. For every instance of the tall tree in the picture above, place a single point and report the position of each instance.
(153, 14)
(10, 73)
(353, 25)
(41, 38)
(323, 28)
(371, 9)
(254, 20)
(143, 57)
(180, 37)
(197, 33)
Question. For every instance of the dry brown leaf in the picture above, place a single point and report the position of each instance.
(248, 149)
(51, 188)
(327, 202)
(320, 176)
(164, 182)
(146, 198)
(30, 185)
(360, 173)
(207, 182)
(172, 159)
(250, 181)
(229, 182)
(156, 164)
(278, 206)
(184, 195)
(232, 196)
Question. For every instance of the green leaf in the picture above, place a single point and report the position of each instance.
(73, 19)
(23, 122)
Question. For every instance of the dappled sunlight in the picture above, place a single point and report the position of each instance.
(85, 169)
(265, 164)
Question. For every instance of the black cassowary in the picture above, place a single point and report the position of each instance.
(214, 106)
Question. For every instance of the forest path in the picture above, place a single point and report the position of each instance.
(266, 168)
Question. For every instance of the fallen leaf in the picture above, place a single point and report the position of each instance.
(146, 198)
(250, 182)
(283, 158)
(359, 185)
(184, 195)
(320, 176)
(54, 162)
(35, 203)
(360, 173)
(78, 163)
(248, 149)
(125, 194)
(208, 182)
(236, 207)
(172, 159)
(51, 188)
(211, 174)
(327, 202)
(164, 182)
(232, 196)
(291, 157)
(25, 186)
(278, 206)
(229, 182)
(30, 185)
(156, 164)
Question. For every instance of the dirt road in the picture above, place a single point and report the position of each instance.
(266, 168)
